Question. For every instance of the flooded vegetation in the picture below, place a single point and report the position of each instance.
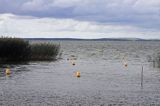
(14, 50)
(105, 73)
(44, 51)
(156, 60)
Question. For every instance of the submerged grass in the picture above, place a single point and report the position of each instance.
(17, 50)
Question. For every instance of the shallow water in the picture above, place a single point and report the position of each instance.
(104, 81)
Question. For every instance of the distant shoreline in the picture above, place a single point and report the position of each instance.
(101, 39)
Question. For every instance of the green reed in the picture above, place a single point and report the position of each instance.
(14, 49)
(44, 51)
(17, 49)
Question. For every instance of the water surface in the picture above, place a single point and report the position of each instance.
(104, 81)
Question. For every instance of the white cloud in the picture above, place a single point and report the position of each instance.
(59, 28)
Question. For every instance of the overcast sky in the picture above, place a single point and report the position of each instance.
(80, 18)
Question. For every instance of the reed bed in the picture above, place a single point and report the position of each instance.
(44, 51)
(17, 49)
(14, 49)
(156, 61)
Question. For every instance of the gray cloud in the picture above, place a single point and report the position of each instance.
(141, 13)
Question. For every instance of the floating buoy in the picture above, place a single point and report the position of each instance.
(8, 72)
(73, 63)
(126, 65)
(78, 74)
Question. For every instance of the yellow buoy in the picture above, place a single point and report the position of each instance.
(78, 74)
(8, 72)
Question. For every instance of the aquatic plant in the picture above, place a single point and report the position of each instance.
(156, 60)
(14, 49)
(17, 50)
(44, 51)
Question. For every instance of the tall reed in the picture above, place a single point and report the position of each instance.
(17, 49)
(44, 51)
(14, 49)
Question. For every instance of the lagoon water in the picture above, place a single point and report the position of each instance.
(104, 81)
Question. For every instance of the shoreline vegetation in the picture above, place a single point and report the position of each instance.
(20, 50)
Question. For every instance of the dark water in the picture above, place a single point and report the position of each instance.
(104, 81)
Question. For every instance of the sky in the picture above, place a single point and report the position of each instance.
(80, 18)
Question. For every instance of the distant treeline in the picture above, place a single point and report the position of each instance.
(100, 39)
(17, 49)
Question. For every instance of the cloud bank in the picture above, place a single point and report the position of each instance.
(27, 26)
(145, 13)
(97, 17)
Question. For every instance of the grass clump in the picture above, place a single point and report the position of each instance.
(156, 61)
(44, 51)
(17, 49)
(14, 49)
